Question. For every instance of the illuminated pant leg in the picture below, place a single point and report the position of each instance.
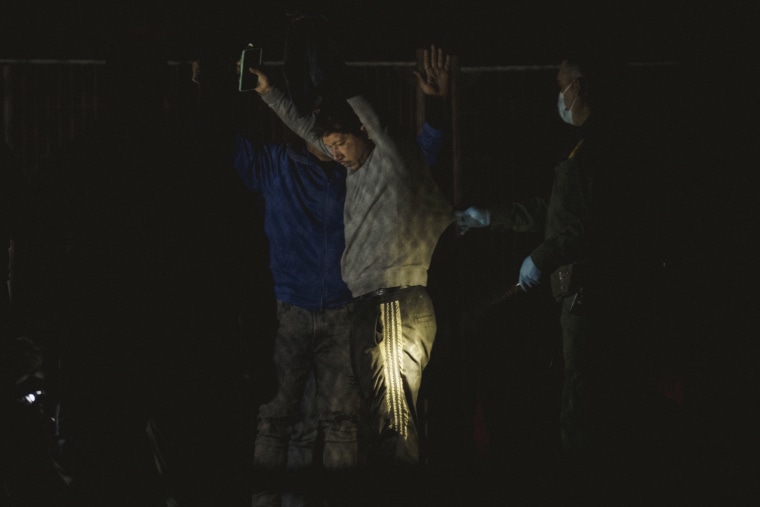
(392, 337)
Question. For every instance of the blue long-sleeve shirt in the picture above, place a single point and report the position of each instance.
(303, 220)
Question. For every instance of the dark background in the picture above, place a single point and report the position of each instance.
(481, 32)
(491, 384)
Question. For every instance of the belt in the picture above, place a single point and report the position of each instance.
(383, 291)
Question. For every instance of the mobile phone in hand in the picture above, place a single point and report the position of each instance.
(251, 57)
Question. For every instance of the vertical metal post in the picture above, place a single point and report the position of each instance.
(456, 133)
(7, 102)
(419, 102)
(456, 142)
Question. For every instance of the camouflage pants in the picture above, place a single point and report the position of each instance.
(311, 346)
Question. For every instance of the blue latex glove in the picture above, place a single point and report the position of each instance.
(530, 275)
(472, 217)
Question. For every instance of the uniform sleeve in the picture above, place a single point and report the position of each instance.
(525, 216)
(567, 235)
(564, 247)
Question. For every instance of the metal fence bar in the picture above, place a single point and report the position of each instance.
(276, 63)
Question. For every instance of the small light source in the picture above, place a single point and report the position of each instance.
(32, 397)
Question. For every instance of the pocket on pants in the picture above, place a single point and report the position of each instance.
(422, 319)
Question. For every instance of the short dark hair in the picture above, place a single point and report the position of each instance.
(335, 116)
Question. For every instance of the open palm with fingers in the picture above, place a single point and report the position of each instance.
(436, 65)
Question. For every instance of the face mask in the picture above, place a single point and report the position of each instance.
(565, 113)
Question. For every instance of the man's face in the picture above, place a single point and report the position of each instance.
(349, 150)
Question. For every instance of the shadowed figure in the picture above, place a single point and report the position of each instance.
(146, 254)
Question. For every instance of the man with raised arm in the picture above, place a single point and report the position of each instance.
(394, 214)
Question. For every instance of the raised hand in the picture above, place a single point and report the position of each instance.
(436, 65)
